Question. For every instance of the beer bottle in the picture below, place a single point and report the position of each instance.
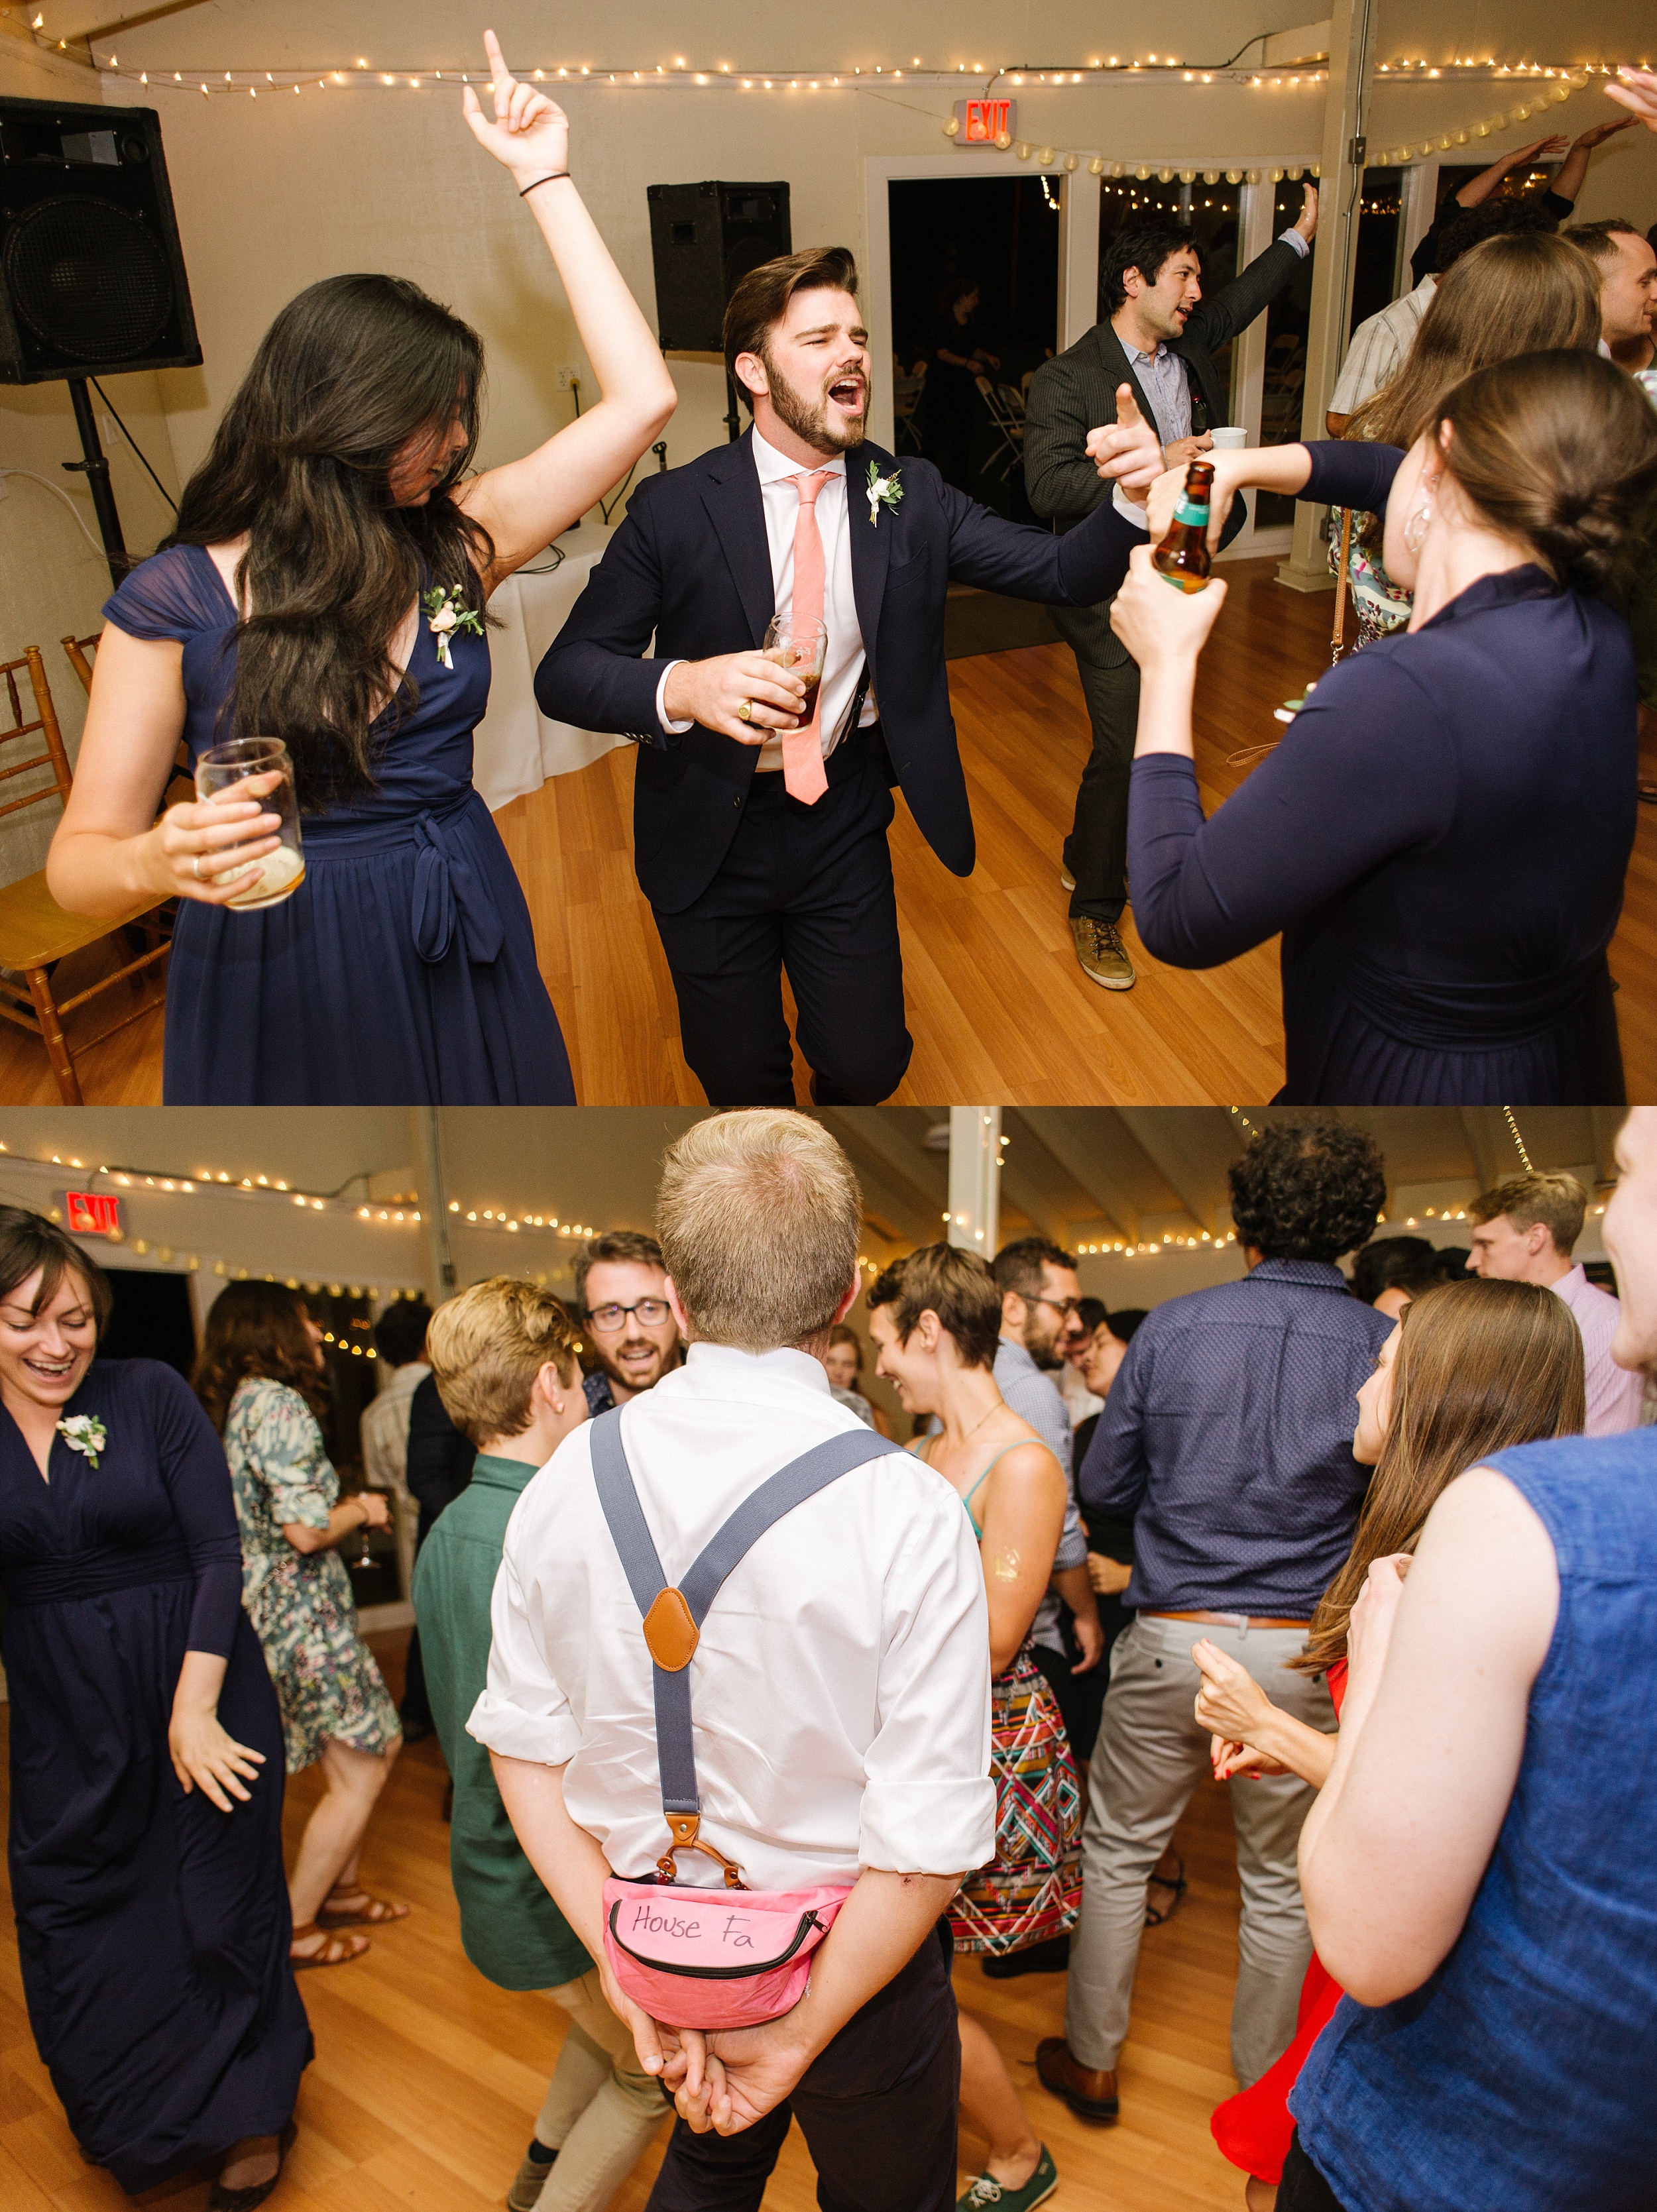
(1182, 557)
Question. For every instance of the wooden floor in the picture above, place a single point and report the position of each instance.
(426, 2078)
(998, 1008)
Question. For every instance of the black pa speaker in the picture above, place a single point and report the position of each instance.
(91, 276)
(704, 239)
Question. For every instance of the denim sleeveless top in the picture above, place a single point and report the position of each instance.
(1520, 2077)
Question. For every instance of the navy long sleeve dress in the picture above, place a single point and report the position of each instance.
(1441, 836)
(402, 971)
(152, 1929)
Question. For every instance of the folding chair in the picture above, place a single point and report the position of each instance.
(1008, 424)
(35, 932)
(907, 392)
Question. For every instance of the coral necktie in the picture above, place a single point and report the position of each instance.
(802, 749)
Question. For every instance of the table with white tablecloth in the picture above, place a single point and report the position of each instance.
(516, 747)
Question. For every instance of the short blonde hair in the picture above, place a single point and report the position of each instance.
(758, 1215)
(1555, 1200)
(486, 1347)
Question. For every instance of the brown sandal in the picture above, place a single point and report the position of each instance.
(1158, 1915)
(336, 1951)
(372, 1912)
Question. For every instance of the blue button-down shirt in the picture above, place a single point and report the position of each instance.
(1227, 1439)
(1034, 1397)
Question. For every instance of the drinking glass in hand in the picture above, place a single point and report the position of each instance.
(258, 768)
(801, 648)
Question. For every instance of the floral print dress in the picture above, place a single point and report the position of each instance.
(300, 1603)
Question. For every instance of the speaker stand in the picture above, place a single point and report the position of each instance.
(95, 469)
(733, 417)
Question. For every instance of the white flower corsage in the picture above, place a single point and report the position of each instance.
(84, 1432)
(883, 491)
(445, 616)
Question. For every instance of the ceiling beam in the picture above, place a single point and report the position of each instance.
(1082, 1163)
(1020, 1190)
(891, 1171)
(1165, 1138)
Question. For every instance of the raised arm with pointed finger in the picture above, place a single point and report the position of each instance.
(525, 504)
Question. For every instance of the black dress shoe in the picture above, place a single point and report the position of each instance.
(220, 2199)
(1053, 1957)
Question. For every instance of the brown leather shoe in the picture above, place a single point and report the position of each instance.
(1100, 953)
(1090, 2095)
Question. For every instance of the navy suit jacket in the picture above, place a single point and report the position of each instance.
(691, 564)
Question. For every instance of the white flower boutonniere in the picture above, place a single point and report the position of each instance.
(84, 1432)
(445, 616)
(883, 491)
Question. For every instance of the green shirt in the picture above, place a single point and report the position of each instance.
(511, 1929)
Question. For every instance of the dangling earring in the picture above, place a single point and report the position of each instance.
(1415, 530)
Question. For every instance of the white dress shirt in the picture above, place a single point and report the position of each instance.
(1614, 1395)
(780, 497)
(1378, 348)
(840, 1693)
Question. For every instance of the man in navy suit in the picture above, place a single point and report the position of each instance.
(759, 833)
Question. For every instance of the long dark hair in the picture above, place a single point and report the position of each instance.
(256, 1328)
(352, 371)
(1480, 1366)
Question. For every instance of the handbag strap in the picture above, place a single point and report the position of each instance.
(673, 1616)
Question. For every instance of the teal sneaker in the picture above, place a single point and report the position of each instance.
(986, 2190)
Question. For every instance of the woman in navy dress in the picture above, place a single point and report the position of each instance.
(325, 584)
(146, 1752)
(1441, 835)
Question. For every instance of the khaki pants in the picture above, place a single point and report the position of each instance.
(601, 2107)
(1150, 1755)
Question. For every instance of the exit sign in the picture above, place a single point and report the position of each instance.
(984, 121)
(92, 1213)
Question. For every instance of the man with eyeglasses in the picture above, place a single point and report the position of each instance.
(621, 1295)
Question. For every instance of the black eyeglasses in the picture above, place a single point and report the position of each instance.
(1066, 1306)
(649, 1313)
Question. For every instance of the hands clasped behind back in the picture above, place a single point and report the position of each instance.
(714, 692)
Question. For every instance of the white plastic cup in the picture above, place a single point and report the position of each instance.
(1230, 441)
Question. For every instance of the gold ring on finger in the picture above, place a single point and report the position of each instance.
(745, 712)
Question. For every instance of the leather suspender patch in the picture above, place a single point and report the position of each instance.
(670, 1633)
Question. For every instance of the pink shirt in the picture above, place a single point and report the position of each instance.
(1614, 1395)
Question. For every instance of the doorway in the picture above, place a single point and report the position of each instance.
(1000, 236)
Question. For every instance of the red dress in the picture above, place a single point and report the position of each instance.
(1253, 2127)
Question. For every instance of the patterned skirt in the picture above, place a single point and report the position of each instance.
(1031, 1889)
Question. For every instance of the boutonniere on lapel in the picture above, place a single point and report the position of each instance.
(883, 491)
(84, 1432)
(445, 617)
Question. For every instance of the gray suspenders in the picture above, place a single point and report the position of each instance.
(674, 1618)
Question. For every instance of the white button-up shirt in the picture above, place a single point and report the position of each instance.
(840, 1693)
(1378, 349)
(780, 497)
(1614, 1395)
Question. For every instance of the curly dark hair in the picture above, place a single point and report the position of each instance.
(1145, 247)
(1307, 1190)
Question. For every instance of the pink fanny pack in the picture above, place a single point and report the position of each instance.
(692, 1956)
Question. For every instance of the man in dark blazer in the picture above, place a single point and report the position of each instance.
(1159, 336)
(752, 869)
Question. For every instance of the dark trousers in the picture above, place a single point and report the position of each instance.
(877, 2109)
(1079, 1698)
(807, 889)
(1096, 850)
(1303, 2189)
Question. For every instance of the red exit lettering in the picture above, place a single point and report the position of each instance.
(983, 121)
(91, 1213)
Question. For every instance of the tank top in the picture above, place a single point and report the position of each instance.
(1518, 2077)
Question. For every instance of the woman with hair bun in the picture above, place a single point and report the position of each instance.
(1441, 835)
(327, 584)
(146, 1752)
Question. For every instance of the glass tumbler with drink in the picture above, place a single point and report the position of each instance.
(257, 768)
(801, 648)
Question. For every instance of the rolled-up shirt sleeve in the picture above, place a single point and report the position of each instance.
(929, 1805)
(523, 1712)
